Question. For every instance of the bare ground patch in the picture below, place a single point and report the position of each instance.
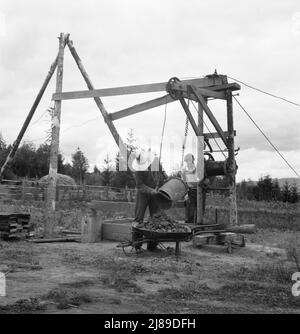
(100, 278)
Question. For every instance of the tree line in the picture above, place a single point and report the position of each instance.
(33, 163)
(268, 189)
(265, 189)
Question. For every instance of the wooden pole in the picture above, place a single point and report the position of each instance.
(107, 119)
(52, 182)
(200, 167)
(28, 118)
(233, 219)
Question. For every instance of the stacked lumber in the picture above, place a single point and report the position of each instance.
(14, 226)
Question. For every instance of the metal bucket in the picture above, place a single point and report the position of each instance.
(173, 190)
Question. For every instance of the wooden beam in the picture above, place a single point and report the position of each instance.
(232, 87)
(156, 103)
(36, 102)
(137, 89)
(200, 206)
(190, 117)
(141, 107)
(233, 217)
(53, 163)
(216, 135)
(209, 114)
(182, 87)
(97, 99)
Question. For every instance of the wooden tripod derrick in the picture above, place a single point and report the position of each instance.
(199, 90)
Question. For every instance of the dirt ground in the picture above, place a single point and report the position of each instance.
(100, 278)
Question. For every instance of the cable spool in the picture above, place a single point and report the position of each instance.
(215, 168)
(175, 94)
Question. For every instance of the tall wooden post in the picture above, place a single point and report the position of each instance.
(200, 166)
(233, 220)
(52, 182)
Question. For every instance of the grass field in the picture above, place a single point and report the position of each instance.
(100, 278)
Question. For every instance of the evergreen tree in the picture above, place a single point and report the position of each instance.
(79, 166)
(285, 192)
(107, 172)
(294, 194)
(24, 162)
(96, 170)
(276, 192)
(122, 179)
(264, 189)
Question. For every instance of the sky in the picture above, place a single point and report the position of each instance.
(131, 42)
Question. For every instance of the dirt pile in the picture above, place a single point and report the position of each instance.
(161, 222)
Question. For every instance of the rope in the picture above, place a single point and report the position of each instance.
(162, 133)
(269, 141)
(262, 91)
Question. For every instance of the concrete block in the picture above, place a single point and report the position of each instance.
(116, 231)
(91, 227)
(111, 209)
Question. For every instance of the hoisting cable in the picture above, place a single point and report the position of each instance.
(186, 130)
(162, 138)
(262, 91)
(269, 141)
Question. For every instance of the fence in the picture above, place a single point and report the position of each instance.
(35, 191)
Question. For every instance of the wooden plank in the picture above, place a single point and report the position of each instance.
(182, 87)
(50, 240)
(190, 117)
(136, 89)
(141, 107)
(246, 228)
(232, 87)
(209, 114)
(112, 128)
(158, 102)
(36, 102)
(216, 135)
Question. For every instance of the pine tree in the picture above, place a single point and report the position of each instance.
(276, 193)
(285, 192)
(96, 170)
(264, 188)
(294, 194)
(122, 179)
(107, 172)
(79, 166)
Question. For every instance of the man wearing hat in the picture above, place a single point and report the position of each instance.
(148, 176)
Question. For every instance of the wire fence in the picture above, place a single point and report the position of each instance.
(36, 191)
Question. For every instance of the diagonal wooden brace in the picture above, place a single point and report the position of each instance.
(122, 146)
(190, 117)
(209, 113)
